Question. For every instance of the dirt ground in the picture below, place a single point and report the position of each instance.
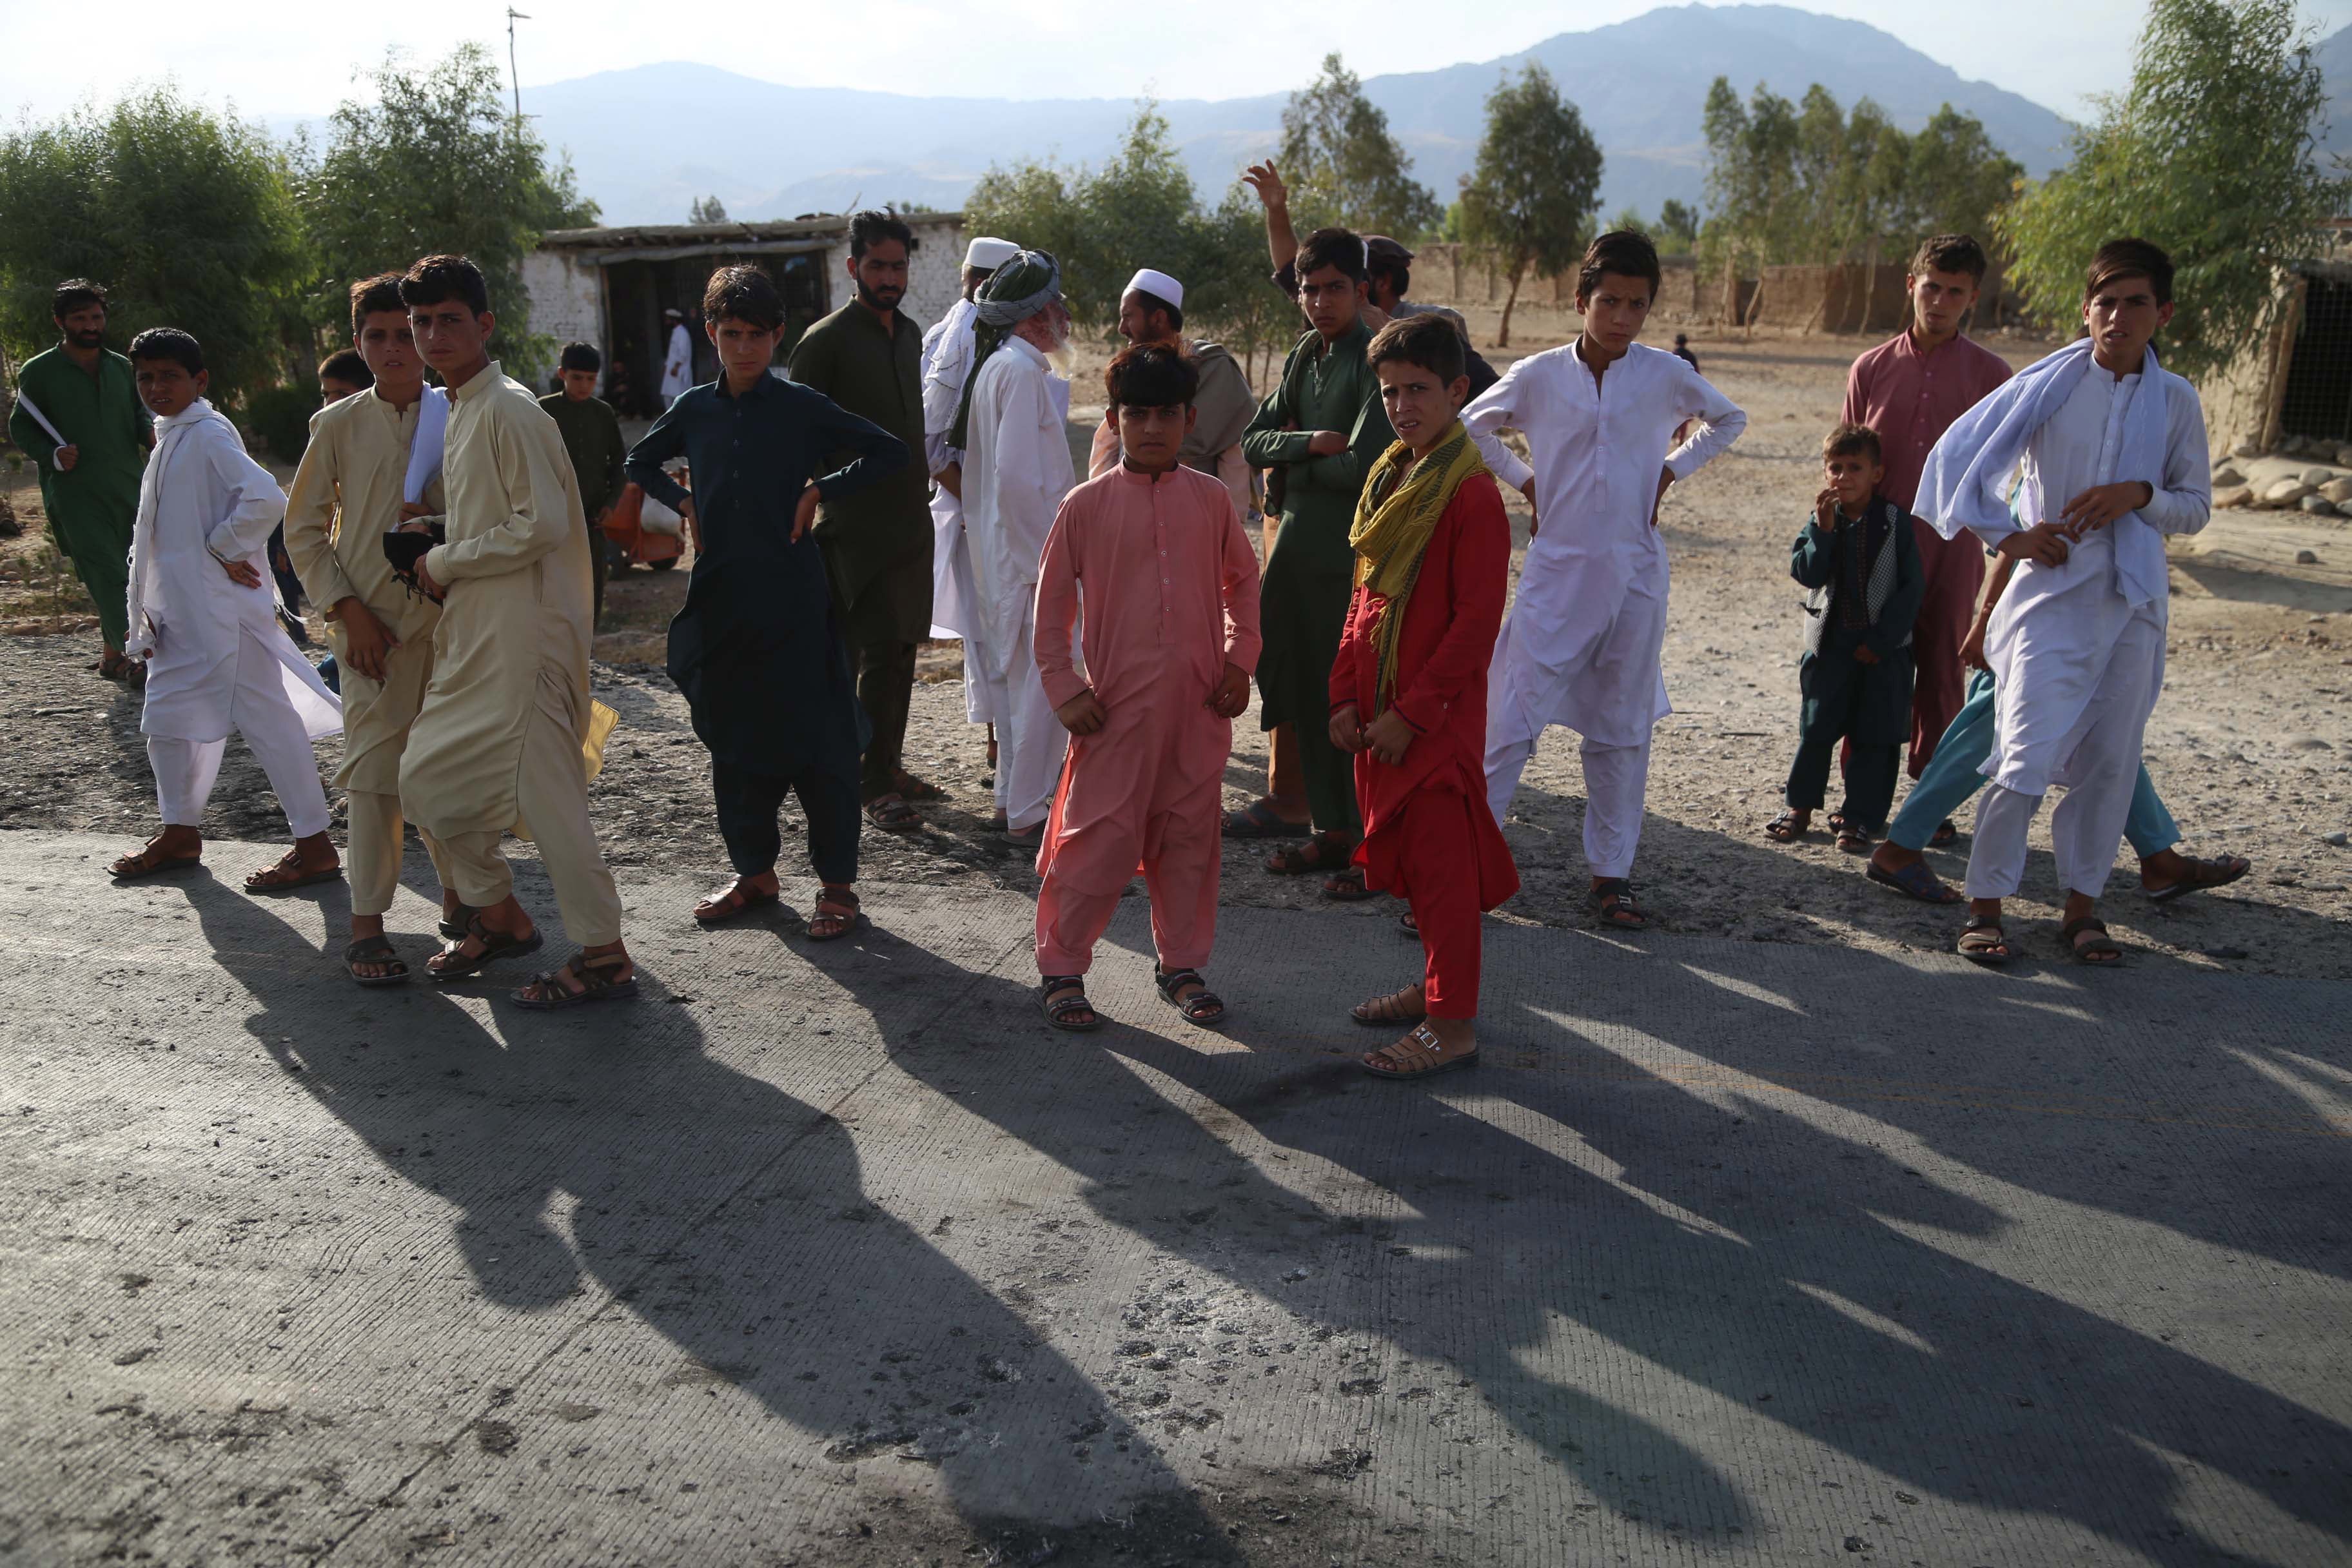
(2248, 745)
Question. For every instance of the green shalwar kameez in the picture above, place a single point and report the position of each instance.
(1303, 602)
(92, 506)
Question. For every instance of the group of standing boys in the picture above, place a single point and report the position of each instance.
(2067, 478)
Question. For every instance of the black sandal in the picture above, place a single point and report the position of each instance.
(496, 944)
(891, 813)
(844, 900)
(1349, 887)
(454, 926)
(1854, 840)
(1990, 946)
(1323, 852)
(1614, 906)
(1946, 832)
(1060, 1012)
(375, 948)
(1203, 1007)
(596, 983)
(1783, 829)
(2099, 953)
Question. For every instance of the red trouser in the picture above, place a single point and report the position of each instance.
(1954, 570)
(1436, 855)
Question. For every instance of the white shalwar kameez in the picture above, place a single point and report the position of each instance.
(2077, 650)
(1581, 646)
(947, 364)
(217, 657)
(1016, 470)
(677, 366)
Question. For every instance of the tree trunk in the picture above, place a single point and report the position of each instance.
(1503, 338)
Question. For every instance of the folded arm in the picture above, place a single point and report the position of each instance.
(1813, 561)
(878, 453)
(645, 466)
(256, 503)
(1488, 415)
(1721, 424)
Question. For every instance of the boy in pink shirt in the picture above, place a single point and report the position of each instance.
(1170, 639)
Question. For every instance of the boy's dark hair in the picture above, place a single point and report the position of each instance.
(579, 356)
(370, 295)
(75, 294)
(1334, 247)
(1150, 302)
(346, 366)
(742, 292)
(1624, 251)
(1399, 272)
(436, 279)
(2130, 258)
(171, 344)
(1429, 342)
(1851, 440)
(1152, 375)
(1949, 253)
(870, 227)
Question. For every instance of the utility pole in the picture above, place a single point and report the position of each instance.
(514, 75)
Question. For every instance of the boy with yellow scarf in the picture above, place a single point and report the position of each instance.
(1409, 691)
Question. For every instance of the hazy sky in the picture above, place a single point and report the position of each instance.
(296, 57)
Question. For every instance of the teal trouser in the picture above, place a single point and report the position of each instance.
(1951, 777)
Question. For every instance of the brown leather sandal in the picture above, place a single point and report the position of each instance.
(833, 927)
(1415, 1056)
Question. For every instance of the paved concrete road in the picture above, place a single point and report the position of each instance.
(1729, 1251)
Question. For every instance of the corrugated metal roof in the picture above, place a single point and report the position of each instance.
(714, 235)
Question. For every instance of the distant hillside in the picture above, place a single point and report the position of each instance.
(1641, 85)
(2335, 56)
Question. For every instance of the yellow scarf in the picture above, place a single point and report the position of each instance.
(1395, 521)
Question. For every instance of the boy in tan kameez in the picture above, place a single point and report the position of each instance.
(498, 744)
(347, 495)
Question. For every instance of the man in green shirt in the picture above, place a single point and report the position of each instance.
(91, 453)
(867, 357)
(1322, 429)
(592, 437)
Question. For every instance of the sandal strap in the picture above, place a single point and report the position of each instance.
(1170, 981)
(840, 898)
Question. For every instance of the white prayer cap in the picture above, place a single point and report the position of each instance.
(988, 254)
(1158, 285)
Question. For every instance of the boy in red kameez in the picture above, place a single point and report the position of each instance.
(1433, 562)
(1171, 637)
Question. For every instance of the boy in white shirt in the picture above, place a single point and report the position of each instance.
(1581, 646)
(2109, 450)
(204, 615)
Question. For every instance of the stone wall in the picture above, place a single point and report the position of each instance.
(566, 299)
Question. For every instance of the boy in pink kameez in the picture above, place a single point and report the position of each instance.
(1170, 582)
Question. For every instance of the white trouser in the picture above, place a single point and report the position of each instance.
(1030, 741)
(186, 769)
(1616, 786)
(2098, 768)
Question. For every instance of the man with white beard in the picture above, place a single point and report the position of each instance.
(946, 365)
(1013, 430)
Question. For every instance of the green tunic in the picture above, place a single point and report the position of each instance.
(1303, 601)
(1874, 557)
(92, 506)
(877, 541)
(592, 437)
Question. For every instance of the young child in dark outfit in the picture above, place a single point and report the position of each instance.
(1860, 558)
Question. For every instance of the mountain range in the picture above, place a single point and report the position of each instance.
(1641, 86)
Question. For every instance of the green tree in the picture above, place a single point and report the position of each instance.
(707, 209)
(1344, 166)
(1528, 202)
(187, 217)
(437, 163)
(1954, 178)
(1137, 209)
(2211, 153)
(1678, 228)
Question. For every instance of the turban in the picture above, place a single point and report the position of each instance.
(1018, 289)
(987, 255)
(1158, 285)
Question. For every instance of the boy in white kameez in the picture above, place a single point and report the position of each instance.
(1582, 644)
(204, 615)
(2109, 450)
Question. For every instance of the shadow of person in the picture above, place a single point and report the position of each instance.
(1807, 1289)
(608, 1155)
(2044, 1027)
(1827, 1292)
(1172, 1180)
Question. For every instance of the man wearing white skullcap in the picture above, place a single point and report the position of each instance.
(946, 362)
(1151, 309)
